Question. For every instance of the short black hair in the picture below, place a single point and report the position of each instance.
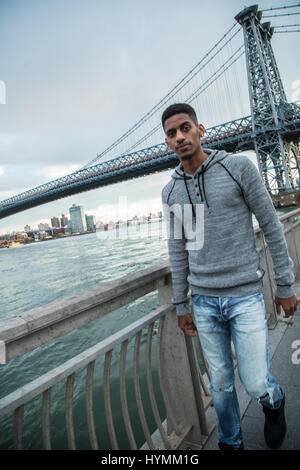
(178, 108)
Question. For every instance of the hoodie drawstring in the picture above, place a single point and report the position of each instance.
(204, 187)
(187, 190)
(203, 170)
(171, 191)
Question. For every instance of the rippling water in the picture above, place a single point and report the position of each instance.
(38, 273)
(35, 274)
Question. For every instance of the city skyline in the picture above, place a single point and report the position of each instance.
(46, 223)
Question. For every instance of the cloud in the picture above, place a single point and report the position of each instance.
(7, 139)
(6, 194)
(52, 172)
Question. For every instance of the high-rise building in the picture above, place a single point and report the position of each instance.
(90, 222)
(55, 222)
(78, 222)
(63, 220)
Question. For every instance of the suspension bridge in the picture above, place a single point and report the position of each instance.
(271, 128)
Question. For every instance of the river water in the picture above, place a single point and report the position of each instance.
(41, 272)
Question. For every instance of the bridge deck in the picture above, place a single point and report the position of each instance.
(288, 375)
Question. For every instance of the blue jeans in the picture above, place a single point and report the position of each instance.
(242, 319)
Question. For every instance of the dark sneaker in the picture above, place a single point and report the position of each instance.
(275, 425)
(223, 446)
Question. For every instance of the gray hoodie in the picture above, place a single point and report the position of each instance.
(215, 205)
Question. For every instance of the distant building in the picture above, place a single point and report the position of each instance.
(31, 234)
(63, 220)
(42, 235)
(43, 226)
(78, 222)
(59, 231)
(27, 228)
(55, 222)
(90, 222)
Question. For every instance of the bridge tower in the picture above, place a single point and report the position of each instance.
(277, 155)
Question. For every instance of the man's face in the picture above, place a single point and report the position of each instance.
(183, 135)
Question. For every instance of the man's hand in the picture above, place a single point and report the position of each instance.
(289, 305)
(186, 323)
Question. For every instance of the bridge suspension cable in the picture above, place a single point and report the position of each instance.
(214, 76)
(280, 8)
(281, 14)
(204, 62)
(286, 26)
(204, 86)
(288, 31)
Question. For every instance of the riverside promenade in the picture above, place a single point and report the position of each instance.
(281, 340)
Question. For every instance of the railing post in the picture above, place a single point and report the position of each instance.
(268, 280)
(291, 230)
(296, 235)
(180, 387)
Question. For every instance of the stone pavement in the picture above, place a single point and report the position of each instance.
(284, 343)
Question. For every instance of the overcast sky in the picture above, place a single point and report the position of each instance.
(79, 73)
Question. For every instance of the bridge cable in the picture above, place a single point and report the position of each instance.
(149, 134)
(163, 100)
(281, 14)
(286, 26)
(288, 31)
(280, 8)
(204, 86)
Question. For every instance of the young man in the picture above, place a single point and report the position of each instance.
(212, 196)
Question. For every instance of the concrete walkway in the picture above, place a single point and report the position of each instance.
(285, 369)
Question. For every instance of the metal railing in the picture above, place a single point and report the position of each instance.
(182, 372)
(291, 226)
(15, 401)
(180, 380)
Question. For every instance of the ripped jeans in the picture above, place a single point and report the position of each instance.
(242, 319)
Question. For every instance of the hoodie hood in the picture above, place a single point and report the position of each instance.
(215, 156)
